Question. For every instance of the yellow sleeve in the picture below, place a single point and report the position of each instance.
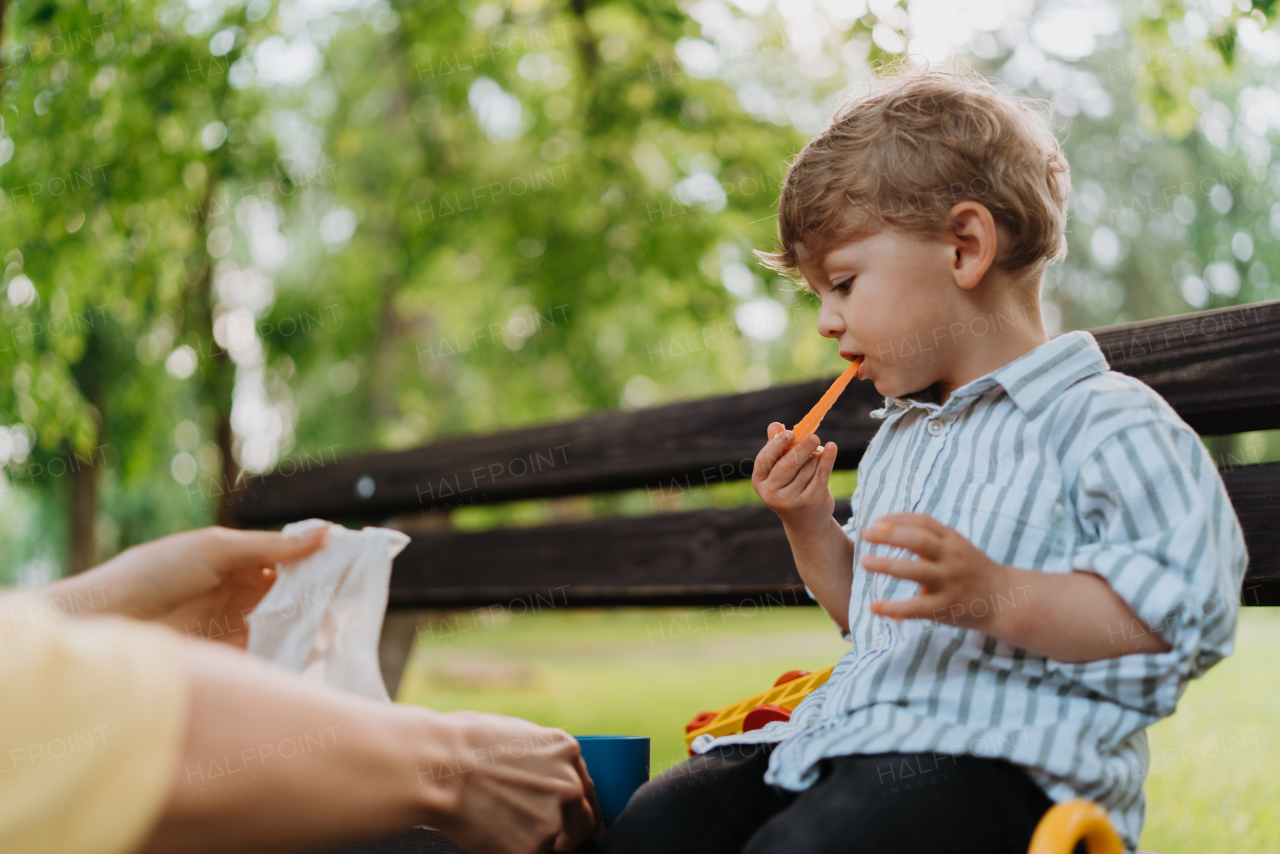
(93, 714)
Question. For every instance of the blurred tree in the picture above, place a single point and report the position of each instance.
(242, 235)
(110, 211)
(1165, 216)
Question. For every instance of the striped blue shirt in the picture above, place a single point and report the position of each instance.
(1052, 463)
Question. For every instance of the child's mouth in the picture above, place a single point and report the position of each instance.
(861, 367)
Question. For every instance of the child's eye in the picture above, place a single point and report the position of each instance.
(843, 287)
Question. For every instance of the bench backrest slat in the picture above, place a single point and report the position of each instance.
(707, 558)
(1219, 369)
(706, 440)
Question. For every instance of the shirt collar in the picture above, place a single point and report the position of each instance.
(1032, 381)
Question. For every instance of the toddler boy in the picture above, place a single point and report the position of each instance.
(1041, 552)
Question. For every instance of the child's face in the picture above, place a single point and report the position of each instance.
(890, 297)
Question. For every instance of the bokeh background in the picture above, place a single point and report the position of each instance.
(240, 237)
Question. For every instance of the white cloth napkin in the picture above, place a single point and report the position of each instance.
(323, 616)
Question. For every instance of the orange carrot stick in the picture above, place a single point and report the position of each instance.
(809, 424)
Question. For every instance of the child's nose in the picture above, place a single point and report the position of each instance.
(830, 323)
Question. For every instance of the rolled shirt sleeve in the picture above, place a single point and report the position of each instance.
(92, 717)
(1158, 526)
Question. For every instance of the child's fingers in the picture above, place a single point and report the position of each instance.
(923, 572)
(916, 539)
(806, 475)
(828, 460)
(825, 460)
(915, 608)
(774, 429)
(790, 468)
(794, 459)
(920, 520)
(769, 455)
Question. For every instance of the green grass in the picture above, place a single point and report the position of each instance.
(646, 672)
(615, 672)
(1212, 786)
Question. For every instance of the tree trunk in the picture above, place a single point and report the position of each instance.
(82, 515)
(383, 377)
(82, 488)
(225, 514)
(219, 376)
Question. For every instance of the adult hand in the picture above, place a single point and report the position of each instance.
(792, 481)
(202, 583)
(513, 787)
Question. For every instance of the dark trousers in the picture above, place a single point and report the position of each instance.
(906, 803)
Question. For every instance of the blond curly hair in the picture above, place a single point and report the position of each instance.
(911, 146)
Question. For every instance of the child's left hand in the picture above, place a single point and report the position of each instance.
(958, 582)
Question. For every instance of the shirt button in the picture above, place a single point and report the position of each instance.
(935, 427)
(881, 641)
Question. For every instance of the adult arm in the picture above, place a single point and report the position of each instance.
(271, 762)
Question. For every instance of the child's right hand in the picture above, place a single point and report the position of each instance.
(793, 483)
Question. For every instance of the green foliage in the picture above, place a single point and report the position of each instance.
(491, 216)
(106, 108)
(465, 241)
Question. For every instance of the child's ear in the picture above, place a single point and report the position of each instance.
(971, 231)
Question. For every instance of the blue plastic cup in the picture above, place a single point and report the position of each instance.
(618, 765)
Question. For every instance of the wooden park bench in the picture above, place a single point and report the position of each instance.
(1219, 369)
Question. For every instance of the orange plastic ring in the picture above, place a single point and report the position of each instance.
(1065, 824)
